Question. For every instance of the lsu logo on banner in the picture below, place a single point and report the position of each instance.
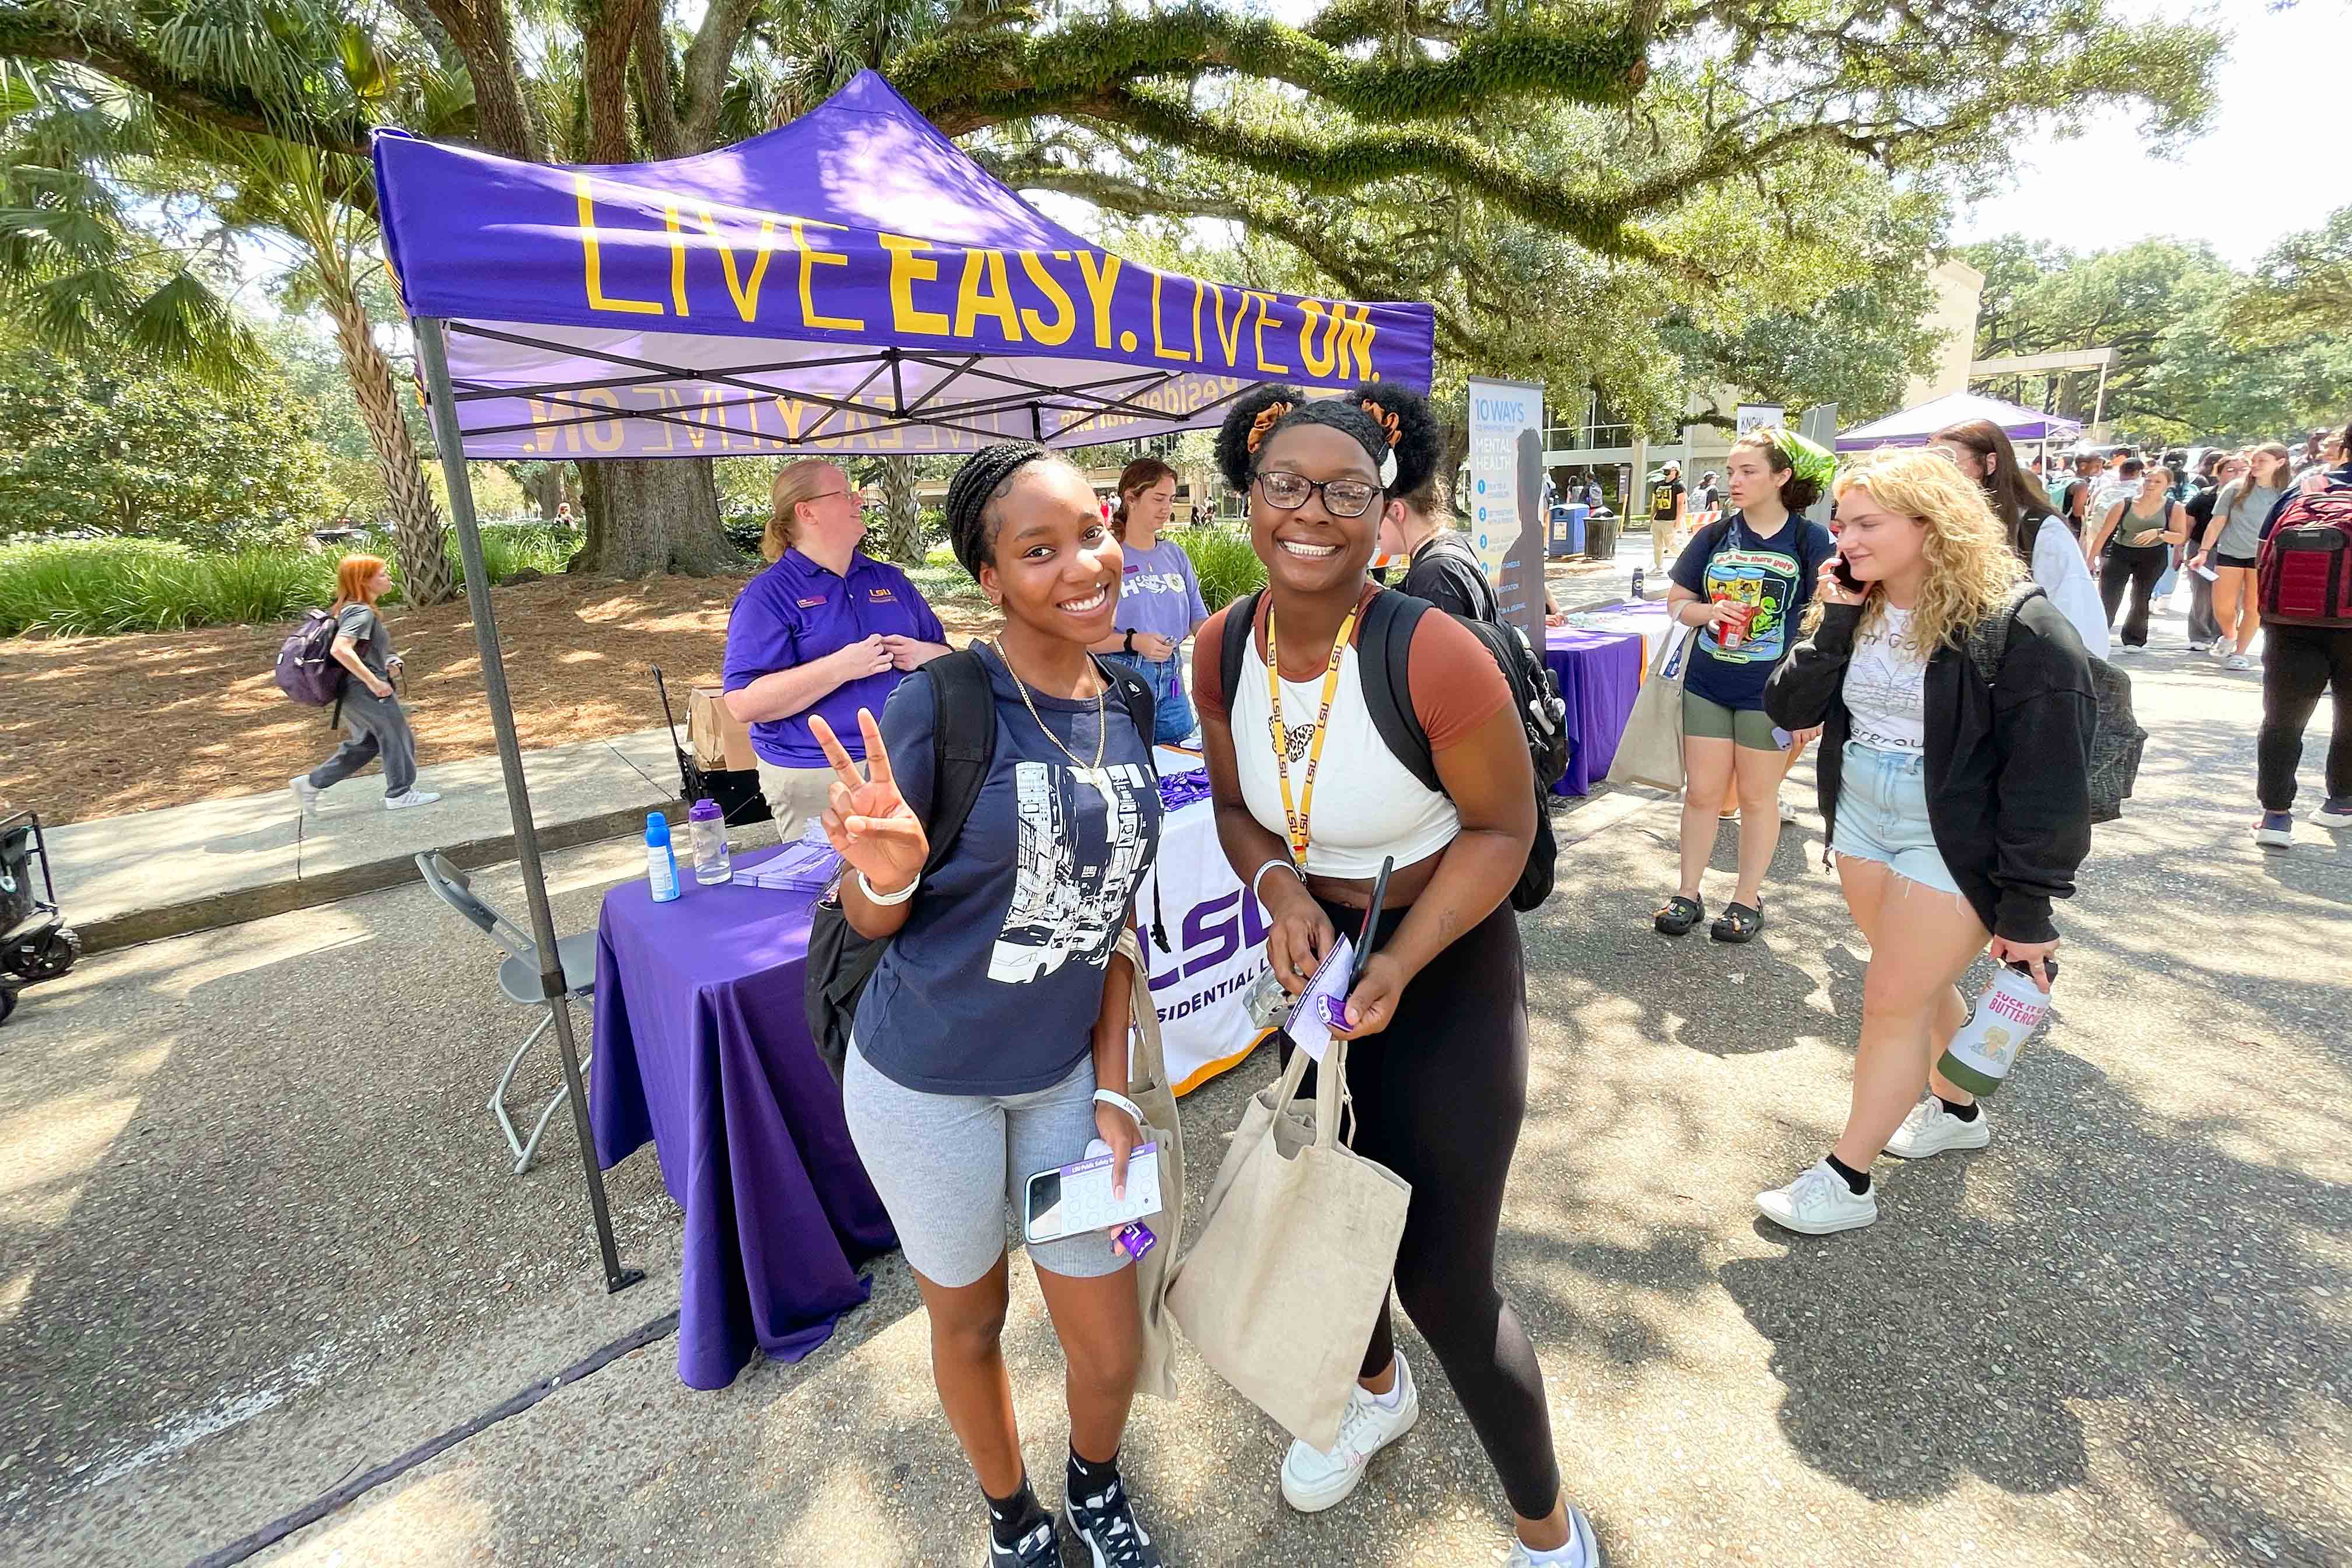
(1217, 955)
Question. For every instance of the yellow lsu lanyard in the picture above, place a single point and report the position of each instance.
(1295, 816)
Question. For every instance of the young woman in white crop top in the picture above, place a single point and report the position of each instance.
(1439, 1063)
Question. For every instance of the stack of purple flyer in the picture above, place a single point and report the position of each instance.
(798, 867)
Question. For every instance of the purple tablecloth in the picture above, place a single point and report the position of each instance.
(701, 1047)
(1599, 673)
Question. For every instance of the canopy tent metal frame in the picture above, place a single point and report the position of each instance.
(486, 253)
(441, 407)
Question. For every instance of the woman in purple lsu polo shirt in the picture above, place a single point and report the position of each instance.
(1159, 596)
(825, 630)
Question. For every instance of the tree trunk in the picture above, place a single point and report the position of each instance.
(1458, 452)
(652, 514)
(425, 574)
(900, 536)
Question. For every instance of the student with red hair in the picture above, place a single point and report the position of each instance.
(374, 724)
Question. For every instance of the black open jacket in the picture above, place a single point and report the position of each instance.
(2007, 766)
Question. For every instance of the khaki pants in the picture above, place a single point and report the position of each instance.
(795, 795)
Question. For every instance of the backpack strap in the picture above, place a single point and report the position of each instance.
(1988, 638)
(1142, 708)
(1384, 659)
(963, 744)
(1240, 618)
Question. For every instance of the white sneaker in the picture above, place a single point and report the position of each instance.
(1582, 1552)
(1788, 813)
(305, 793)
(1818, 1203)
(2328, 817)
(2240, 661)
(412, 796)
(1931, 1130)
(1312, 1482)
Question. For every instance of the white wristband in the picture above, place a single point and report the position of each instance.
(886, 901)
(1259, 875)
(1112, 1097)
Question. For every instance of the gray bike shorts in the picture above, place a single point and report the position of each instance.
(949, 1166)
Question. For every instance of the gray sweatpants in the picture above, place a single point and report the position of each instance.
(373, 726)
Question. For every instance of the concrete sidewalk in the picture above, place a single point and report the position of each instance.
(216, 862)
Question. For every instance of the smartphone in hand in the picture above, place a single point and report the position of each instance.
(1844, 574)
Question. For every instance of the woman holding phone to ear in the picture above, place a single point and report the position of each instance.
(1310, 801)
(992, 1042)
(1957, 809)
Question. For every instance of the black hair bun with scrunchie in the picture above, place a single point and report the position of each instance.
(1236, 454)
(1420, 442)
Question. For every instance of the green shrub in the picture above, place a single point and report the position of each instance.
(98, 588)
(1224, 561)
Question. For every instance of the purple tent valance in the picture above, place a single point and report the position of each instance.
(1918, 426)
(850, 282)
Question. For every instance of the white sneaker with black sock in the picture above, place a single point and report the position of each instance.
(1931, 1130)
(1819, 1202)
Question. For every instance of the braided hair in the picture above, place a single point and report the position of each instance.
(984, 477)
(1386, 419)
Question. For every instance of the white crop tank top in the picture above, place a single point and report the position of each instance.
(1367, 807)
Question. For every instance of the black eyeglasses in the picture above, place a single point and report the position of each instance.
(1341, 498)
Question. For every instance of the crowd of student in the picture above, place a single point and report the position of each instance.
(992, 1041)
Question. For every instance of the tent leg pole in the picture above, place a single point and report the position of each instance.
(432, 346)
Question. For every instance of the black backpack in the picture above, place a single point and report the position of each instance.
(1385, 650)
(963, 744)
(2116, 739)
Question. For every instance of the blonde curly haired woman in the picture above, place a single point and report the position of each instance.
(1958, 810)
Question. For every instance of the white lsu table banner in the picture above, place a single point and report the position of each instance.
(1216, 941)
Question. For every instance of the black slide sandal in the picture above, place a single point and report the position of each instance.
(1738, 923)
(1679, 915)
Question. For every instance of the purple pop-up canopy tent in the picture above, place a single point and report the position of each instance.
(1918, 426)
(851, 282)
(848, 283)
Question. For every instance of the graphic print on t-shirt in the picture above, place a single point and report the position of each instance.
(1886, 688)
(1765, 578)
(1067, 898)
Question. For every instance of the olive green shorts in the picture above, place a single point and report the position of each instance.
(1750, 729)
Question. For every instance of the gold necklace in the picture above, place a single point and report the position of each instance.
(1102, 730)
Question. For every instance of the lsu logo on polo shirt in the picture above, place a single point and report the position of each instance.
(882, 595)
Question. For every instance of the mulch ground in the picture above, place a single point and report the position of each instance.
(97, 726)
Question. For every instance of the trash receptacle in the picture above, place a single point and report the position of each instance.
(1567, 530)
(1601, 534)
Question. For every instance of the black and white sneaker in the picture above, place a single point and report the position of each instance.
(1106, 1524)
(1035, 1549)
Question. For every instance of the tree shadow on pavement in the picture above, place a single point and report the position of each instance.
(2124, 1265)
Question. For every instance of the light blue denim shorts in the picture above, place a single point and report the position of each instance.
(1882, 815)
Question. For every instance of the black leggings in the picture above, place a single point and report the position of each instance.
(1439, 1097)
(2135, 567)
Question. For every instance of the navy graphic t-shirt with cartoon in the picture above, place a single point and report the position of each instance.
(993, 984)
(1732, 560)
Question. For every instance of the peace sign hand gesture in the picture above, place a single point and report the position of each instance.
(868, 822)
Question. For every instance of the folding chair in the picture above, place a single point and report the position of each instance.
(519, 981)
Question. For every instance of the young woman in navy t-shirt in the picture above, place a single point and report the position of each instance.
(1742, 582)
(992, 1042)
